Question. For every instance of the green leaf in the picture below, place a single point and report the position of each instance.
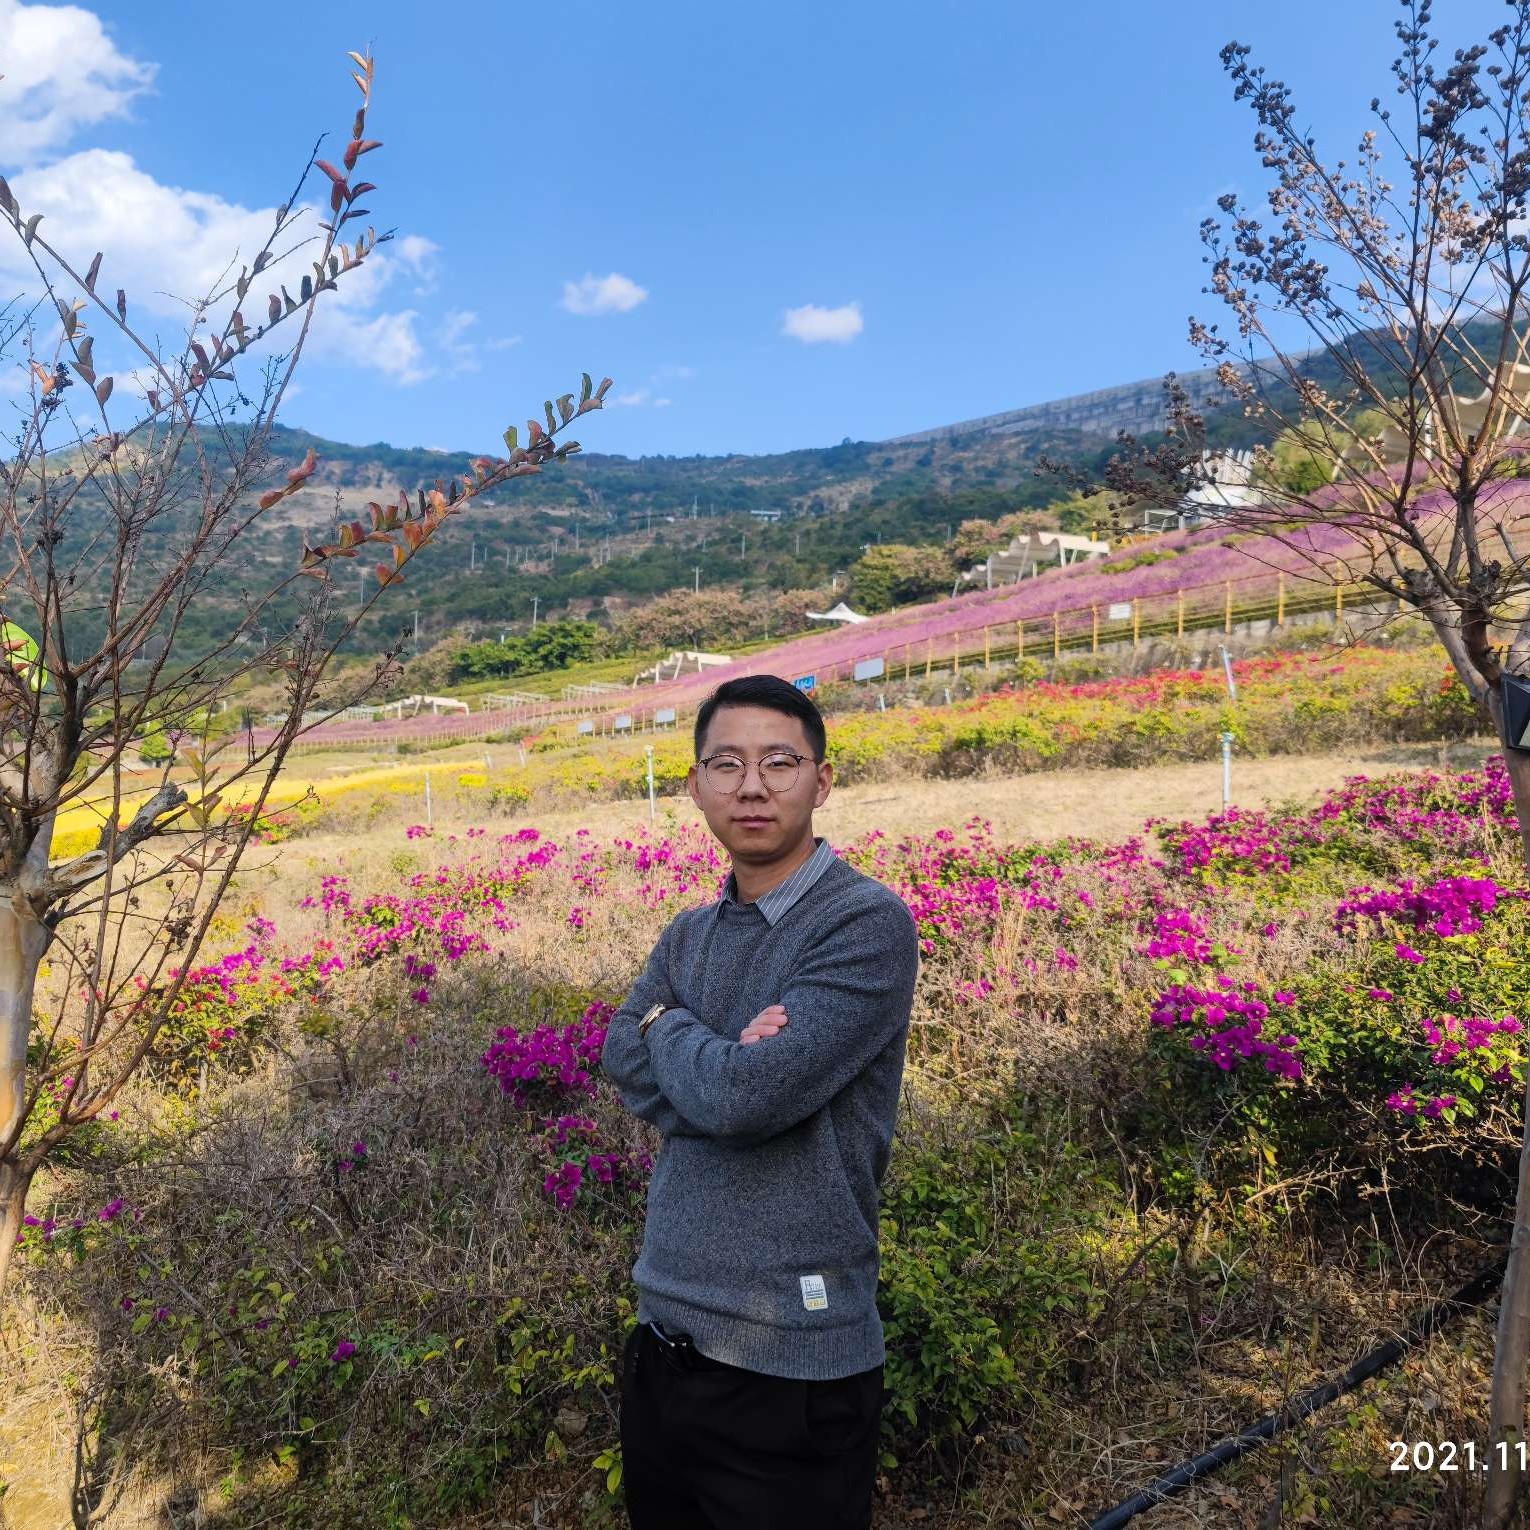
(512, 439)
(422, 1406)
(586, 387)
(552, 419)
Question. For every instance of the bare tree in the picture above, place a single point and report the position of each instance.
(1380, 331)
(116, 517)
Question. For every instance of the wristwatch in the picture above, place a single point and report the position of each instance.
(650, 1017)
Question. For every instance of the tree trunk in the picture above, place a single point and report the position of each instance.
(13, 1202)
(1511, 1351)
(22, 944)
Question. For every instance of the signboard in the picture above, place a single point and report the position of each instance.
(1120, 610)
(806, 682)
(870, 669)
(585, 727)
(663, 715)
(623, 724)
(1516, 712)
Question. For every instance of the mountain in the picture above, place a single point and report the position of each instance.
(604, 530)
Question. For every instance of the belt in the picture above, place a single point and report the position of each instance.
(681, 1352)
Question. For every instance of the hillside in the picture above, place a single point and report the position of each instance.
(603, 532)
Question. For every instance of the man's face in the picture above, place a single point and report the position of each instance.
(758, 819)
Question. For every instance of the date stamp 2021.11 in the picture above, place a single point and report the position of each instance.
(1456, 1455)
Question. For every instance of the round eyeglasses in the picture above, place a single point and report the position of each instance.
(778, 772)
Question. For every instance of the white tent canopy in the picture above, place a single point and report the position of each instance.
(840, 613)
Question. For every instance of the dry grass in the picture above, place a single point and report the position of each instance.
(1096, 804)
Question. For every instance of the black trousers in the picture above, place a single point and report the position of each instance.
(708, 1446)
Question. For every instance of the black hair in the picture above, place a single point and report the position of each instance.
(771, 692)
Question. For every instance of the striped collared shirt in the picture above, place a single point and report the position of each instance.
(774, 904)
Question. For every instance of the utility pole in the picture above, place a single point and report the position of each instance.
(416, 629)
(743, 542)
(507, 560)
(697, 572)
(535, 600)
(797, 551)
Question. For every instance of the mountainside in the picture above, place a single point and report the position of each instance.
(603, 531)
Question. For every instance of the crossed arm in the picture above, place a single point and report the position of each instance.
(847, 1001)
(625, 1057)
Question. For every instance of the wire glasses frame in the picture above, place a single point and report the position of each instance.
(779, 770)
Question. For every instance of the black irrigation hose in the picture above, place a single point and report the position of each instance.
(1473, 1294)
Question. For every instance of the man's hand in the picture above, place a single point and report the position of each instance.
(768, 1022)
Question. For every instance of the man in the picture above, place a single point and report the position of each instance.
(765, 1039)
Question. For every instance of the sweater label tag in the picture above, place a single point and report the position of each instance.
(814, 1297)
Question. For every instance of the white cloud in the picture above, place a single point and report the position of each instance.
(602, 294)
(418, 256)
(812, 325)
(504, 342)
(162, 244)
(631, 398)
(167, 247)
(62, 72)
(388, 344)
(662, 403)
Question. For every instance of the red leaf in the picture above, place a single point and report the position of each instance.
(270, 497)
(329, 170)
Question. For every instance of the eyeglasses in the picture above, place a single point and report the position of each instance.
(778, 772)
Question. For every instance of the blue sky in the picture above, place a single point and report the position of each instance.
(774, 226)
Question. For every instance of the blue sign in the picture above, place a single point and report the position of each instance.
(806, 682)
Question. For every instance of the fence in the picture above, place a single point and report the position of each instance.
(1222, 606)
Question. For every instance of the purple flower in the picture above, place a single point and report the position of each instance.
(343, 1351)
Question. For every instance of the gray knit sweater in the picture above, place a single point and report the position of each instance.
(761, 1238)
